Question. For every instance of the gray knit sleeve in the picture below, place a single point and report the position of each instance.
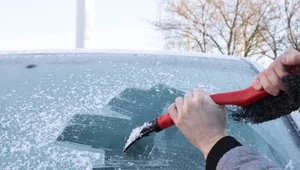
(244, 158)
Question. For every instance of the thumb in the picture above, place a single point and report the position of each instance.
(173, 112)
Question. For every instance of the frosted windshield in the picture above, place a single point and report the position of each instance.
(72, 111)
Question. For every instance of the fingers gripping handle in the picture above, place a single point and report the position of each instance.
(240, 98)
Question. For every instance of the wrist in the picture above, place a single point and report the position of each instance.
(208, 144)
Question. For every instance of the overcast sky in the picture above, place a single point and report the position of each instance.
(44, 24)
(50, 24)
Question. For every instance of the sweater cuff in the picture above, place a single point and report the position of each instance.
(218, 150)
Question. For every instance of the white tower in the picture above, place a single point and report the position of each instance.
(85, 23)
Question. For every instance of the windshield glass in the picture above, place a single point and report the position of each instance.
(74, 111)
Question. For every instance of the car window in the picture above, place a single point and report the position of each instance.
(69, 111)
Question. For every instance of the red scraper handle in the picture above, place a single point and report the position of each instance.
(240, 98)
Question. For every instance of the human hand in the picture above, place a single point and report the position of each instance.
(200, 119)
(269, 79)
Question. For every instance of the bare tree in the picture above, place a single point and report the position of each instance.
(273, 36)
(226, 25)
(184, 26)
(232, 27)
(282, 29)
(238, 24)
(253, 18)
(291, 8)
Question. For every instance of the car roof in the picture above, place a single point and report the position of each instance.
(99, 51)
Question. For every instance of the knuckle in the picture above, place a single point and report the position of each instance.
(260, 75)
(268, 72)
(178, 99)
(275, 64)
(189, 104)
(179, 122)
(199, 99)
(292, 57)
(269, 88)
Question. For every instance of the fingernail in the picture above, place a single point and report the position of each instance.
(257, 85)
(284, 59)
